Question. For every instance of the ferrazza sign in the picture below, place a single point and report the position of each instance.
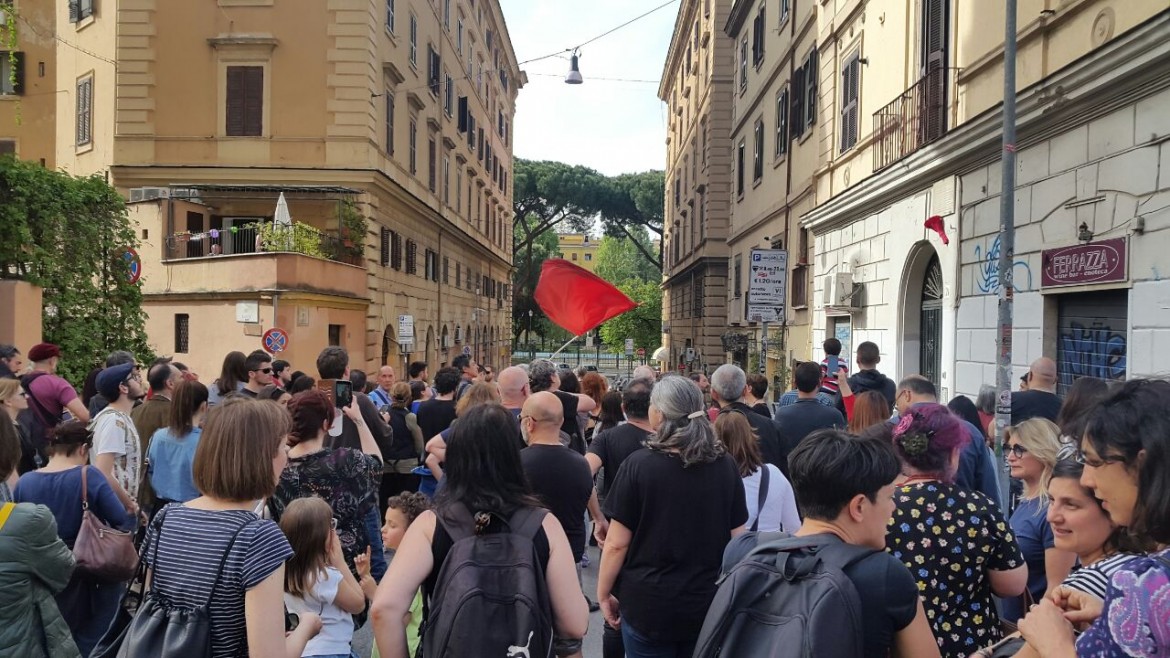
(1095, 262)
(767, 285)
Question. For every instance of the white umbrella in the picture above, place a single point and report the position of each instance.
(283, 218)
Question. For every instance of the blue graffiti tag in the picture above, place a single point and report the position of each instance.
(988, 280)
(1097, 351)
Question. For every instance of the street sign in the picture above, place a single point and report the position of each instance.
(134, 263)
(629, 347)
(641, 351)
(275, 340)
(406, 332)
(767, 285)
(467, 350)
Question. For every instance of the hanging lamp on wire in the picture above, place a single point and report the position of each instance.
(574, 76)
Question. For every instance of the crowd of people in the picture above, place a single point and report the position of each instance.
(454, 513)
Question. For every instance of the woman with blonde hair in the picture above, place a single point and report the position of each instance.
(478, 394)
(14, 401)
(1031, 449)
(398, 474)
(771, 503)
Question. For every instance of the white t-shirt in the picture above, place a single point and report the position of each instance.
(336, 624)
(779, 512)
(114, 433)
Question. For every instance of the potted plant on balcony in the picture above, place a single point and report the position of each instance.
(353, 227)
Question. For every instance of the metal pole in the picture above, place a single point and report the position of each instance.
(763, 367)
(1007, 231)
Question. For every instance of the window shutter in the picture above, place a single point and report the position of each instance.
(18, 74)
(385, 260)
(395, 250)
(782, 107)
(390, 123)
(235, 101)
(849, 102)
(810, 76)
(74, 11)
(796, 105)
(253, 101)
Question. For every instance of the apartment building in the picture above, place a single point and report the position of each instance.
(28, 81)
(775, 155)
(340, 170)
(906, 233)
(697, 89)
(579, 249)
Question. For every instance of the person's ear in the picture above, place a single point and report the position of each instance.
(857, 508)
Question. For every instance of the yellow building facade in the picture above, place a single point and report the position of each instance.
(398, 111)
(28, 83)
(579, 249)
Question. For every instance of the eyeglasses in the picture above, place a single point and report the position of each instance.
(532, 418)
(333, 523)
(1017, 450)
(1098, 462)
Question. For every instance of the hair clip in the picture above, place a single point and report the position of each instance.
(696, 414)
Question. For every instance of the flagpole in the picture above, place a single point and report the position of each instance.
(564, 346)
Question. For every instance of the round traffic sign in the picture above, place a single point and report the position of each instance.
(641, 351)
(275, 340)
(134, 263)
(467, 350)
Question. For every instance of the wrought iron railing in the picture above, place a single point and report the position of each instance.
(262, 237)
(914, 119)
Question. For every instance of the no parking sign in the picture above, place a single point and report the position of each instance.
(275, 340)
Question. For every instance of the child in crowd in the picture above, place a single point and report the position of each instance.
(401, 511)
(316, 578)
(829, 385)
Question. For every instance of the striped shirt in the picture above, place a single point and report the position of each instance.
(192, 544)
(1094, 579)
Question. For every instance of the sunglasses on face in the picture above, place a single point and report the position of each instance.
(1017, 450)
(267, 371)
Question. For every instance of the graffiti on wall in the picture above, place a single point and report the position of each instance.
(988, 277)
(1093, 351)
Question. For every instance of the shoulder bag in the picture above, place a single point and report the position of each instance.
(102, 553)
(763, 498)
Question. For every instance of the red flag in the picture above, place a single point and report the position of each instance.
(577, 299)
(935, 223)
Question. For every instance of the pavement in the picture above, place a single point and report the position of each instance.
(363, 638)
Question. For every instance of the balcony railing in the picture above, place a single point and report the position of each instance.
(913, 120)
(263, 237)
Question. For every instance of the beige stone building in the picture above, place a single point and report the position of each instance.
(776, 151)
(206, 114)
(697, 89)
(28, 82)
(909, 131)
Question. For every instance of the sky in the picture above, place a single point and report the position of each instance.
(613, 127)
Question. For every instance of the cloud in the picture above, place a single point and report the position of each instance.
(612, 126)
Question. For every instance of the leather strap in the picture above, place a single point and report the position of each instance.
(84, 489)
(5, 512)
(763, 497)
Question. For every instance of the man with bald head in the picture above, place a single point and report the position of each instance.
(558, 475)
(644, 372)
(514, 388)
(1040, 400)
(386, 380)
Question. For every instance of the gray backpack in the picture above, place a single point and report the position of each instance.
(490, 598)
(785, 597)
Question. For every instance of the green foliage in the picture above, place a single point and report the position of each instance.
(354, 226)
(525, 275)
(298, 238)
(67, 235)
(618, 260)
(643, 324)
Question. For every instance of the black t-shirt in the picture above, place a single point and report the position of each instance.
(803, 418)
(1034, 404)
(434, 416)
(350, 438)
(569, 425)
(681, 520)
(562, 480)
(613, 446)
(889, 600)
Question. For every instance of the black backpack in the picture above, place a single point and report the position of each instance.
(491, 598)
(785, 597)
(402, 442)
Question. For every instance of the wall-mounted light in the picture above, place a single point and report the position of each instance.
(1139, 226)
(863, 60)
(1084, 234)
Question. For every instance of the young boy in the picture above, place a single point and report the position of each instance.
(829, 384)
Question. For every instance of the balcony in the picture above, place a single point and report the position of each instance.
(914, 119)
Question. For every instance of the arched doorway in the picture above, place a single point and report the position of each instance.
(922, 315)
(429, 355)
(390, 354)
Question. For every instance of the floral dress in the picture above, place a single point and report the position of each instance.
(345, 478)
(1136, 617)
(949, 538)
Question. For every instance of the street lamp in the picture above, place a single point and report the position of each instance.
(574, 76)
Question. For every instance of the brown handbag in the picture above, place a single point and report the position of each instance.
(102, 553)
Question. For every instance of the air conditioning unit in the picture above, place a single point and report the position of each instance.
(149, 193)
(839, 290)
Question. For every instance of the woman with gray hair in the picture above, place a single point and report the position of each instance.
(673, 508)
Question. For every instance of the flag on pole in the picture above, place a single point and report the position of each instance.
(575, 298)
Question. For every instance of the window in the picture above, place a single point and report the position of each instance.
(395, 250)
(182, 333)
(588, 256)
(803, 103)
(245, 101)
(413, 146)
(384, 243)
(389, 122)
(782, 122)
(739, 160)
(759, 34)
(84, 111)
(413, 41)
(458, 274)
(11, 73)
(459, 37)
(799, 292)
(433, 65)
(447, 14)
(703, 134)
(738, 274)
(810, 88)
(743, 54)
(8, 147)
(390, 16)
(449, 94)
(850, 93)
(79, 9)
(758, 155)
(574, 255)
(411, 256)
(784, 9)
(458, 189)
(430, 271)
(335, 335)
(446, 180)
(432, 166)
